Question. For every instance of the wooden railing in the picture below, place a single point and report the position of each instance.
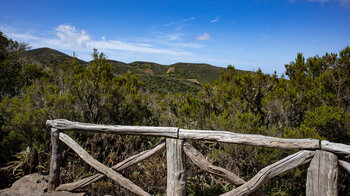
(322, 173)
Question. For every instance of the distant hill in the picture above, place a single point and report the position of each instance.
(49, 56)
(203, 73)
(178, 77)
(46, 52)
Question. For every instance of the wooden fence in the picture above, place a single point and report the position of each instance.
(322, 173)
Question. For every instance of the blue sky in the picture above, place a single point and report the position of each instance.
(264, 34)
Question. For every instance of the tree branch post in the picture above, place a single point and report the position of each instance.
(322, 175)
(176, 169)
(55, 162)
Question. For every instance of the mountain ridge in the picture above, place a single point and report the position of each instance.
(176, 77)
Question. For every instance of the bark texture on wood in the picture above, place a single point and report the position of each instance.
(126, 183)
(273, 170)
(55, 162)
(173, 132)
(220, 136)
(345, 163)
(335, 147)
(322, 175)
(118, 167)
(176, 169)
(198, 159)
(63, 124)
(249, 139)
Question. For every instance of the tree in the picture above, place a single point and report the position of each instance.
(10, 66)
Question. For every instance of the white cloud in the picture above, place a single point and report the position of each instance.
(265, 38)
(169, 40)
(320, 1)
(187, 45)
(179, 21)
(179, 28)
(162, 48)
(343, 3)
(143, 44)
(23, 36)
(124, 46)
(169, 24)
(173, 37)
(169, 36)
(69, 34)
(204, 36)
(188, 19)
(215, 19)
(70, 38)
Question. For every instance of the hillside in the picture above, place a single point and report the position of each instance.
(163, 84)
(204, 73)
(178, 77)
(201, 72)
(49, 56)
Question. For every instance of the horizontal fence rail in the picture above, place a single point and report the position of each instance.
(322, 174)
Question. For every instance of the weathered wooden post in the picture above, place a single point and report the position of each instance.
(55, 162)
(322, 175)
(176, 169)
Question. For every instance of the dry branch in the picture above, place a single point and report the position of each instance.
(198, 159)
(335, 147)
(63, 124)
(100, 167)
(118, 167)
(273, 170)
(345, 163)
(220, 136)
(249, 139)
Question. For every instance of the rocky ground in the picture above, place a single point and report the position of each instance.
(33, 185)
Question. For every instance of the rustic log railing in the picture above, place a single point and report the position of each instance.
(322, 173)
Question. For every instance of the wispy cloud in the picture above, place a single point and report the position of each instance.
(187, 45)
(215, 19)
(179, 28)
(188, 19)
(204, 36)
(119, 45)
(172, 40)
(265, 37)
(21, 36)
(343, 3)
(181, 22)
(319, 1)
(170, 24)
(169, 36)
(68, 37)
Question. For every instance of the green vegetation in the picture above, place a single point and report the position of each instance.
(164, 85)
(311, 101)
